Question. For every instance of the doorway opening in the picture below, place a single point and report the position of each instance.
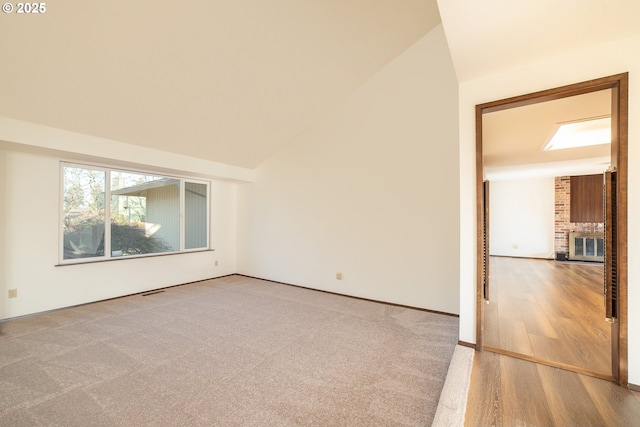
(615, 89)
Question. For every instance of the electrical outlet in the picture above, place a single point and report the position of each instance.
(339, 276)
(13, 293)
(215, 263)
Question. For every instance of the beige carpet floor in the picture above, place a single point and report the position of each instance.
(229, 351)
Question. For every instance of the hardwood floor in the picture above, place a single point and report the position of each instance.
(549, 310)
(506, 391)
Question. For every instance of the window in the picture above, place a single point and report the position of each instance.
(113, 213)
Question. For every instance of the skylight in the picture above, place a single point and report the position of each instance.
(583, 133)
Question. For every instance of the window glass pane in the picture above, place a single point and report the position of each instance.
(579, 246)
(195, 212)
(600, 247)
(145, 214)
(84, 212)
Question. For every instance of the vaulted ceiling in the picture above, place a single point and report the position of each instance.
(235, 81)
(229, 81)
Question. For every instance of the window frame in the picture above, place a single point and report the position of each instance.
(108, 255)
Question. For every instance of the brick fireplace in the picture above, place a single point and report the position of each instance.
(562, 223)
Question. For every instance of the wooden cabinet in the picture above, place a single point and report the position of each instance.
(586, 199)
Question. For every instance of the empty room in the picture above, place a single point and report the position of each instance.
(272, 213)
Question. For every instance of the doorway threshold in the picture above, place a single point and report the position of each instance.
(551, 363)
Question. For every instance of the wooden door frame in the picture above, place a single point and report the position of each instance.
(618, 84)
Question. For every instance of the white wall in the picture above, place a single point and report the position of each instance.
(25, 136)
(370, 191)
(4, 228)
(29, 222)
(521, 220)
(598, 61)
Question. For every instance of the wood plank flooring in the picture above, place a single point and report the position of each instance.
(506, 391)
(549, 310)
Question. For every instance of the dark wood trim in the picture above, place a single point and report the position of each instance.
(551, 363)
(552, 94)
(444, 313)
(159, 290)
(610, 309)
(619, 85)
(480, 247)
(622, 92)
(147, 292)
(486, 233)
(467, 344)
(541, 259)
(633, 387)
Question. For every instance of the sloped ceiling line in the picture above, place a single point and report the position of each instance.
(230, 82)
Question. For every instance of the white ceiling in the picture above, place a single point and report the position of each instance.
(513, 139)
(235, 81)
(228, 81)
(488, 36)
